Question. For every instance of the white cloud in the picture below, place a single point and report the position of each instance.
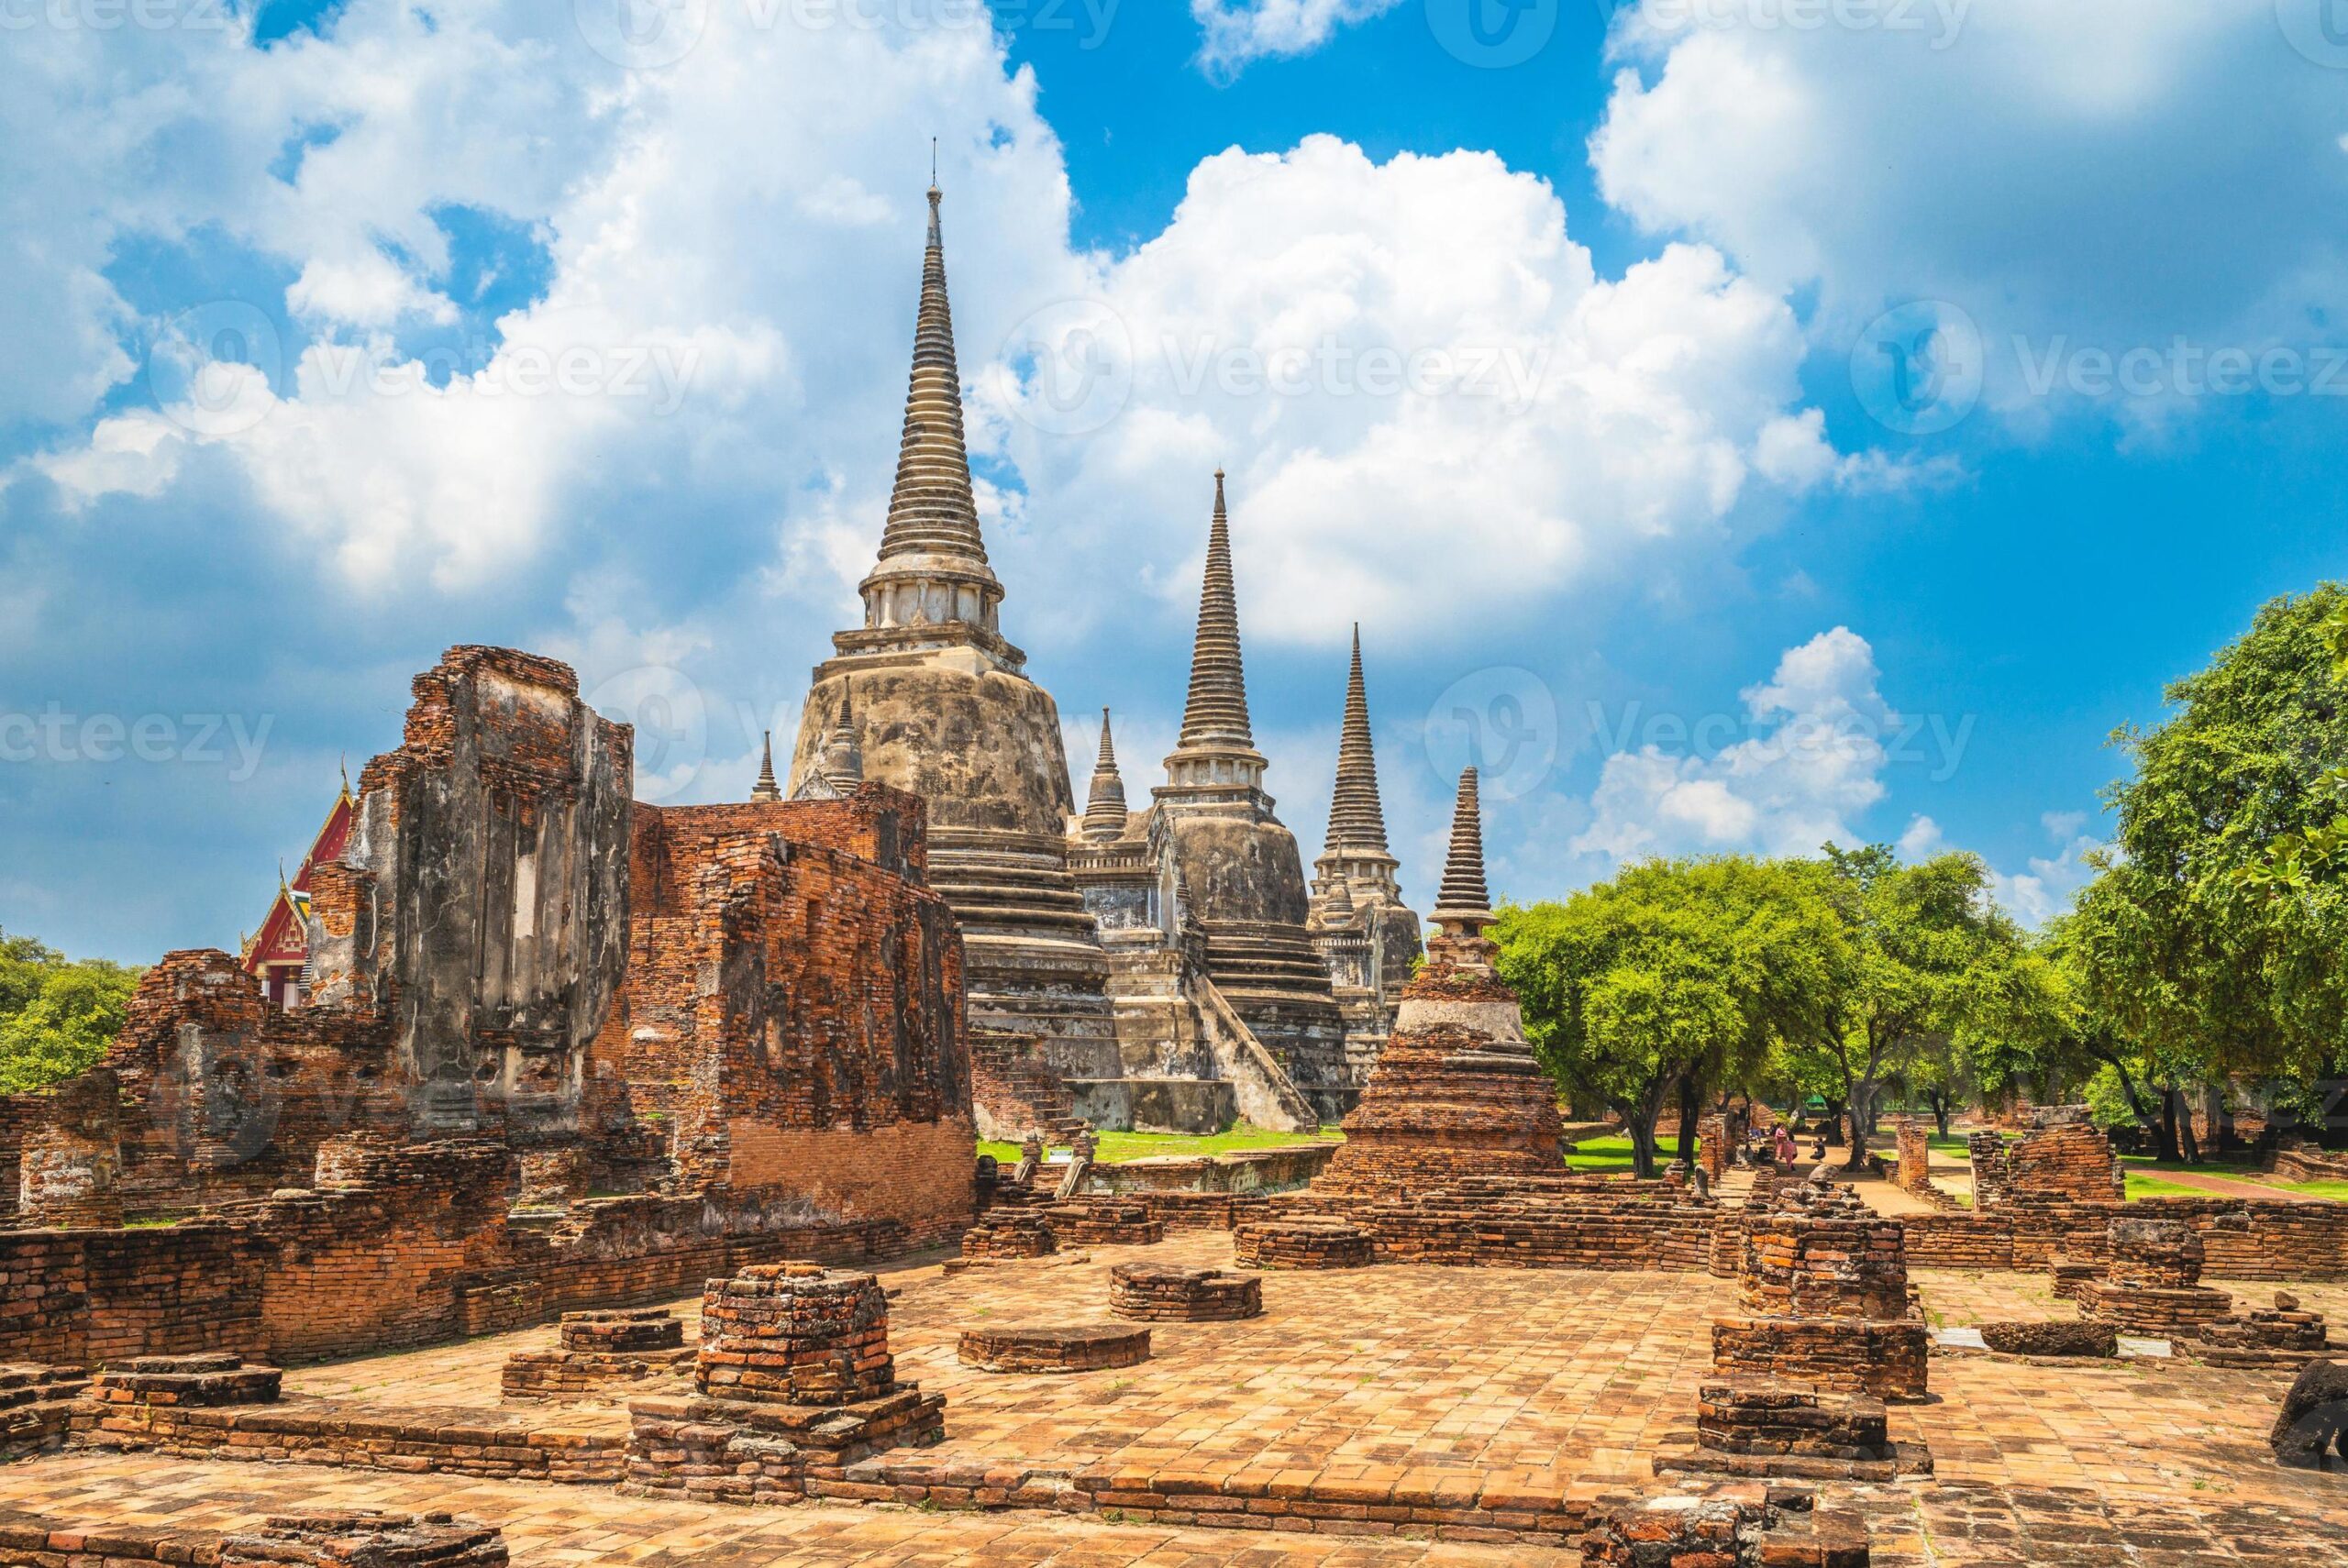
(1922, 840)
(715, 330)
(1399, 362)
(1235, 32)
(1809, 768)
(2094, 174)
(2052, 882)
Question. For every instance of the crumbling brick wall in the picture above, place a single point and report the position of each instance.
(2069, 1161)
(768, 1052)
(482, 903)
(792, 1017)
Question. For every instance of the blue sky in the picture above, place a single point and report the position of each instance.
(1813, 418)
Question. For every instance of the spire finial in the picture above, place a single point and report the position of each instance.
(1105, 810)
(1356, 815)
(1217, 710)
(766, 788)
(931, 512)
(1464, 907)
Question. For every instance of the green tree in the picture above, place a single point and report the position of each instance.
(2229, 887)
(56, 1017)
(1934, 968)
(1677, 972)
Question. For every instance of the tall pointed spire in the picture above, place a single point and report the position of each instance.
(1464, 907)
(766, 788)
(933, 573)
(1216, 714)
(931, 511)
(1104, 812)
(1356, 817)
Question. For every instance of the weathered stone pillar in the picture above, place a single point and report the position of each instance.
(68, 1179)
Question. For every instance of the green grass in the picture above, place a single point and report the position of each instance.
(1612, 1156)
(2332, 1189)
(2154, 1186)
(1601, 1156)
(2208, 1167)
(1115, 1148)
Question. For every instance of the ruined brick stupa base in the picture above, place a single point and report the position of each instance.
(1458, 1092)
(794, 1384)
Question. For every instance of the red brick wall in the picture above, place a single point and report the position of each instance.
(793, 1016)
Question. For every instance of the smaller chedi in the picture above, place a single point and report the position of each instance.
(1367, 935)
(1457, 1091)
(792, 1384)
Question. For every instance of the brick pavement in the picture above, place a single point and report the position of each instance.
(1411, 1376)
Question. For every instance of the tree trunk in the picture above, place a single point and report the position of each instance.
(2189, 1145)
(2165, 1133)
(1858, 1118)
(1639, 1121)
(1687, 1114)
(1942, 1106)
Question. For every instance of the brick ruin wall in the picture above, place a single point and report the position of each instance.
(2069, 1161)
(1529, 1222)
(742, 1024)
(792, 1021)
(2299, 1163)
(1914, 1170)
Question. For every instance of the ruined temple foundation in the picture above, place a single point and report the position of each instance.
(1458, 1092)
(1152, 1293)
(600, 1354)
(365, 1537)
(2285, 1335)
(1301, 1243)
(195, 1382)
(1739, 1525)
(2153, 1283)
(37, 1407)
(1826, 1308)
(1763, 1426)
(1105, 1221)
(1011, 1234)
(794, 1382)
(1088, 1347)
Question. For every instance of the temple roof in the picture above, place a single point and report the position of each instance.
(1216, 714)
(282, 935)
(1464, 907)
(1356, 817)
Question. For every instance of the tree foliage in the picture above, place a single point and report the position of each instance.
(1686, 971)
(57, 1017)
(2222, 914)
(1940, 978)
